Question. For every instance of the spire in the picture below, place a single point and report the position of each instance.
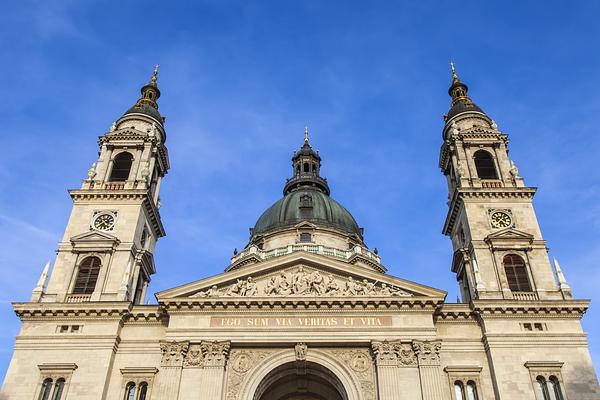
(562, 282)
(36, 295)
(460, 100)
(306, 167)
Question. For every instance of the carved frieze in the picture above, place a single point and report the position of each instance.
(303, 282)
(173, 353)
(428, 352)
(394, 353)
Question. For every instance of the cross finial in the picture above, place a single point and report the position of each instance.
(155, 73)
(306, 134)
(454, 75)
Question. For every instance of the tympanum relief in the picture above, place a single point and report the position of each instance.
(302, 281)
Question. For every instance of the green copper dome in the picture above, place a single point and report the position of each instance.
(307, 204)
(306, 198)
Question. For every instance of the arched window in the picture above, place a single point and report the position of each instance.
(46, 389)
(555, 388)
(472, 391)
(484, 164)
(59, 387)
(143, 391)
(121, 167)
(306, 167)
(516, 273)
(459, 390)
(85, 283)
(130, 391)
(542, 388)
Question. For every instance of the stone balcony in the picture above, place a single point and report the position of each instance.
(357, 251)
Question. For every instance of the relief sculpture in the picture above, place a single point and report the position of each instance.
(302, 282)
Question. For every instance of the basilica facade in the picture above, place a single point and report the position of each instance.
(305, 311)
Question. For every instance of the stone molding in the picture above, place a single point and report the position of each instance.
(427, 352)
(394, 353)
(173, 353)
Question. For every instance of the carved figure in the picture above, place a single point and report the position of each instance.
(316, 283)
(272, 286)
(285, 288)
(251, 288)
(351, 287)
(91, 174)
(300, 350)
(300, 282)
(514, 171)
(113, 127)
(385, 290)
(331, 287)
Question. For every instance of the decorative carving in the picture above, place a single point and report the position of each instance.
(514, 171)
(243, 361)
(91, 174)
(428, 353)
(173, 353)
(394, 353)
(215, 353)
(194, 357)
(304, 283)
(361, 363)
(300, 349)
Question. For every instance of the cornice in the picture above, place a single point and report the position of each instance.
(336, 304)
(488, 309)
(95, 310)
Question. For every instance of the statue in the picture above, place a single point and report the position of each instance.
(514, 171)
(145, 173)
(494, 125)
(454, 129)
(351, 287)
(285, 288)
(91, 174)
(331, 287)
(272, 286)
(316, 283)
(300, 284)
(153, 130)
(460, 169)
(113, 127)
(385, 290)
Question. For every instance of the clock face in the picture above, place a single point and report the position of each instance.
(104, 222)
(500, 219)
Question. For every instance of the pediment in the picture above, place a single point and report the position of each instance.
(301, 275)
(94, 240)
(509, 234)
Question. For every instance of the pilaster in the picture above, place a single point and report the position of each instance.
(396, 370)
(169, 378)
(430, 371)
(204, 366)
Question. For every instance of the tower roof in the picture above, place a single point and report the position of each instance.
(147, 103)
(461, 102)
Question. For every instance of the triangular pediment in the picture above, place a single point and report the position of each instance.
(301, 275)
(509, 234)
(94, 236)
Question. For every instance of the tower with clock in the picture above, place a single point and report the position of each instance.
(106, 253)
(499, 252)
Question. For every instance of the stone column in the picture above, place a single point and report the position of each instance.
(396, 370)
(169, 377)
(430, 371)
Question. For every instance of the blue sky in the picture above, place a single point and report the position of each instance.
(240, 80)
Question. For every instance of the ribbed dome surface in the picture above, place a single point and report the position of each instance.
(310, 205)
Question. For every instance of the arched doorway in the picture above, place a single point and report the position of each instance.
(300, 381)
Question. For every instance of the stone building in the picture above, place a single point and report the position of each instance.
(306, 310)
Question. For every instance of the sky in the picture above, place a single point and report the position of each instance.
(240, 80)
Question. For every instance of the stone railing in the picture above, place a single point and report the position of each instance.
(114, 185)
(527, 296)
(309, 248)
(78, 298)
(491, 184)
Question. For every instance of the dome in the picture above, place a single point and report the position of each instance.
(307, 204)
(143, 108)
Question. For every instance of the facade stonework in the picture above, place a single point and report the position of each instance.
(305, 311)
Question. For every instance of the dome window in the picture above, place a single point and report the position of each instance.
(305, 237)
(306, 201)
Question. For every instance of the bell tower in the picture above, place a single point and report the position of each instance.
(106, 253)
(499, 251)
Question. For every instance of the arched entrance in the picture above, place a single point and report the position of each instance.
(300, 381)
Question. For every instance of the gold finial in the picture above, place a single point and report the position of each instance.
(454, 75)
(306, 134)
(154, 74)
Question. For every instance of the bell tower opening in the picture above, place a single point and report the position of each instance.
(301, 380)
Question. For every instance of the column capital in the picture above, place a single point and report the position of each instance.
(215, 353)
(173, 353)
(428, 352)
(394, 353)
